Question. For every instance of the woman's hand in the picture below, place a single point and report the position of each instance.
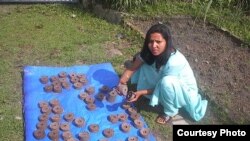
(137, 94)
(134, 97)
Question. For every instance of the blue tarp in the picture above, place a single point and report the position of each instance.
(98, 75)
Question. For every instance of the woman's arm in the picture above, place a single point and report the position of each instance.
(130, 71)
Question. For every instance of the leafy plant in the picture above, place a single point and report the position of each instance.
(124, 5)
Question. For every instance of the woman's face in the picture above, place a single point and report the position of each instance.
(157, 44)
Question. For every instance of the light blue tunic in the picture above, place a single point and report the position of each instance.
(174, 86)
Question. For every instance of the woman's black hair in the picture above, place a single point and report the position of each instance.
(161, 59)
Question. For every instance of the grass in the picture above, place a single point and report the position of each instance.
(49, 35)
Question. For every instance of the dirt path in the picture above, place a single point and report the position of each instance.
(220, 63)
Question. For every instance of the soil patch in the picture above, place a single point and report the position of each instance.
(220, 64)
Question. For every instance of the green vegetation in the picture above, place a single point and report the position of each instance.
(124, 5)
(63, 35)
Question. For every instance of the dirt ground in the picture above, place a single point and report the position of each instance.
(220, 61)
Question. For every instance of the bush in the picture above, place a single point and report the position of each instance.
(123, 5)
(239, 4)
(243, 4)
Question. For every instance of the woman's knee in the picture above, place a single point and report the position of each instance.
(168, 81)
(168, 88)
